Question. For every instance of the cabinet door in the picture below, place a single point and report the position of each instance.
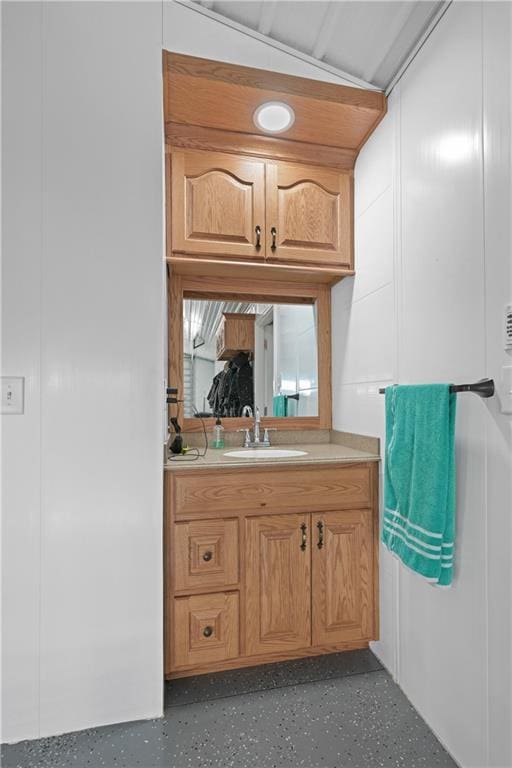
(278, 583)
(310, 210)
(342, 548)
(217, 204)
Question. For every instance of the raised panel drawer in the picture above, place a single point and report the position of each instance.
(205, 554)
(205, 629)
(299, 489)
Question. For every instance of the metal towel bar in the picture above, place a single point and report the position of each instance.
(482, 388)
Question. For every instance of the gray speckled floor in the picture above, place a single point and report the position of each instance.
(205, 687)
(360, 719)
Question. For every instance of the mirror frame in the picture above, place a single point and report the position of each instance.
(180, 287)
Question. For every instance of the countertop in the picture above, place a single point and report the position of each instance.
(320, 453)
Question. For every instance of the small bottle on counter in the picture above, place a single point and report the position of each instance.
(218, 434)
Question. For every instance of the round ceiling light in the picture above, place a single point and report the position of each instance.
(274, 117)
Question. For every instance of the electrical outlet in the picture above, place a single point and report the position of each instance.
(13, 394)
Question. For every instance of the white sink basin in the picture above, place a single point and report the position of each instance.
(264, 453)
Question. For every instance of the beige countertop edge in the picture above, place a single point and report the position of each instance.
(328, 453)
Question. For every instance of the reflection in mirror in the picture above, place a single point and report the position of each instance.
(240, 355)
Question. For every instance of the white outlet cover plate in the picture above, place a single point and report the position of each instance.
(13, 395)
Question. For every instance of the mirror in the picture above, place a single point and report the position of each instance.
(238, 355)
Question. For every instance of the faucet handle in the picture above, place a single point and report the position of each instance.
(266, 438)
(247, 440)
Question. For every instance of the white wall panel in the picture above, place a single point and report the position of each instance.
(497, 74)
(364, 334)
(374, 257)
(21, 307)
(374, 166)
(442, 206)
(102, 336)
(450, 649)
(83, 177)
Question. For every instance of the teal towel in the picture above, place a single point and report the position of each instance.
(279, 405)
(419, 496)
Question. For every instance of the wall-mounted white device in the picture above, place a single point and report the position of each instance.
(13, 394)
(508, 327)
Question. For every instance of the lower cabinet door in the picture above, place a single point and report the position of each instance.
(342, 576)
(205, 629)
(278, 583)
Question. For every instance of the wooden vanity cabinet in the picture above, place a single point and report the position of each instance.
(264, 564)
(261, 210)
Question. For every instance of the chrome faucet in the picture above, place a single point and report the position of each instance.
(257, 421)
(256, 441)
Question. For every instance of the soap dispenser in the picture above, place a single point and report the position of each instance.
(218, 434)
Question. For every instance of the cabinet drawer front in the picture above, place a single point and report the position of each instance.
(205, 629)
(298, 489)
(205, 554)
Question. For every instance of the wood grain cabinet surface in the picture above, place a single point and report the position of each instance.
(240, 207)
(309, 214)
(277, 583)
(235, 334)
(342, 554)
(269, 564)
(218, 202)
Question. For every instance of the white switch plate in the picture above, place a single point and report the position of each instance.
(13, 394)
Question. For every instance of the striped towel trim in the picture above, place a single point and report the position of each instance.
(433, 549)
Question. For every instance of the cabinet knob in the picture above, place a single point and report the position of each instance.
(207, 556)
(273, 232)
(258, 236)
(208, 631)
(303, 536)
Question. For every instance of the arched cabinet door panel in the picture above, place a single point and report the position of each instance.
(218, 204)
(309, 215)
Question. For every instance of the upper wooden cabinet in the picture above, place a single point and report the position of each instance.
(235, 334)
(309, 214)
(235, 186)
(260, 210)
(218, 202)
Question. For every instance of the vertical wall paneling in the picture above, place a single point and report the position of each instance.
(447, 136)
(21, 310)
(497, 81)
(85, 489)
